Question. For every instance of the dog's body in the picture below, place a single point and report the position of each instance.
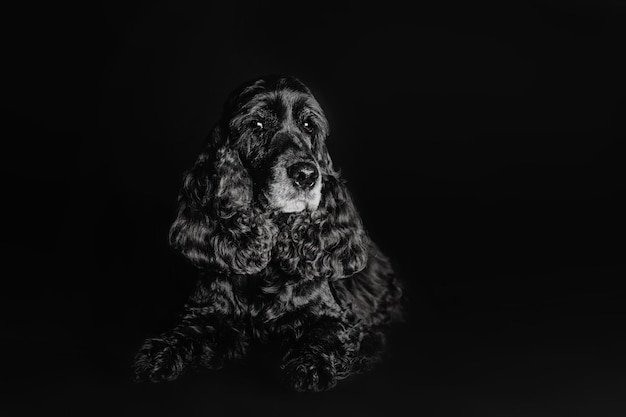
(281, 247)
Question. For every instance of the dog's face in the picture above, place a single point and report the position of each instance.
(278, 128)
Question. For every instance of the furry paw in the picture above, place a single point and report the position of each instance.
(311, 372)
(157, 361)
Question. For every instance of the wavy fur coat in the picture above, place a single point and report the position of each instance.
(280, 246)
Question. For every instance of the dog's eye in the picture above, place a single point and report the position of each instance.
(257, 126)
(308, 126)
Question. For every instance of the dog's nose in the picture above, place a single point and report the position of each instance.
(303, 174)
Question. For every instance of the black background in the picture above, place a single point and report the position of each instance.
(484, 145)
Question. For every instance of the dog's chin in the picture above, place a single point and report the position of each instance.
(297, 206)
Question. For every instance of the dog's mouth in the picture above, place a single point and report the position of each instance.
(295, 187)
(309, 201)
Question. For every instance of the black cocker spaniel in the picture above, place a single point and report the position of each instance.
(281, 248)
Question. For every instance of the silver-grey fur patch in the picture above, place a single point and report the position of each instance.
(284, 196)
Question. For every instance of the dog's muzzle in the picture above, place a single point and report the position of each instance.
(295, 186)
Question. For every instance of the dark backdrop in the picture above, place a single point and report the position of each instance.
(484, 145)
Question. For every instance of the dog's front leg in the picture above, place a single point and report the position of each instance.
(206, 336)
(320, 354)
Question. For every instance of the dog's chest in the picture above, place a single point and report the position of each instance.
(270, 300)
(266, 300)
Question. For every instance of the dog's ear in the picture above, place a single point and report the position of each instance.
(329, 243)
(343, 239)
(217, 227)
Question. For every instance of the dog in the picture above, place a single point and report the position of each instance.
(281, 249)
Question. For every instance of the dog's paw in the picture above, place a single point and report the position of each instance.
(310, 372)
(157, 361)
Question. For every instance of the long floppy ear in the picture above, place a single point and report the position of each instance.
(343, 239)
(330, 242)
(217, 227)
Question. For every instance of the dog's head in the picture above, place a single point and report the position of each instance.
(278, 130)
(264, 182)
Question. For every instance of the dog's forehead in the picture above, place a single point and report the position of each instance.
(284, 102)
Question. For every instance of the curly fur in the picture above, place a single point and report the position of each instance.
(311, 278)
